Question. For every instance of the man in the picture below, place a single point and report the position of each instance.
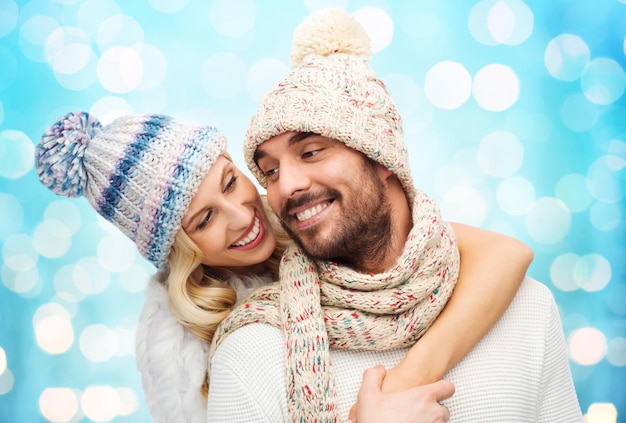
(326, 142)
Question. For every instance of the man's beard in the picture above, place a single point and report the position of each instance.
(363, 236)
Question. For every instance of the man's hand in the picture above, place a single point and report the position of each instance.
(416, 405)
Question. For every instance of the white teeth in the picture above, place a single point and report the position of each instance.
(309, 213)
(252, 235)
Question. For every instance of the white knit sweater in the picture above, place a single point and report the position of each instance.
(519, 372)
(171, 360)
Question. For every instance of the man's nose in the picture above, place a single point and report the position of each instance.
(293, 179)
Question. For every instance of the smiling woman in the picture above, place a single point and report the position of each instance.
(172, 189)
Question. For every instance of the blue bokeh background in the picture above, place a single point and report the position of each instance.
(514, 117)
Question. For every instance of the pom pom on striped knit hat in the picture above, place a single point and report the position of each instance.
(140, 172)
(333, 91)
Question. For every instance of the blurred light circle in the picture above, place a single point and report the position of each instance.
(54, 334)
(223, 75)
(124, 341)
(572, 190)
(515, 196)
(451, 176)
(90, 276)
(16, 154)
(58, 405)
(120, 69)
(604, 183)
(64, 211)
(465, 204)
(566, 57)
(8, 70)
(64, 284)
(562, 272)
(603, 81)
(84, 78)
(493, 22)
(262, 75)
(587, 346)
(232, 18)
(116, 252)
(548, 221)
(19, 253)
(12, 214)
(406, 94)
(616, 155)
(578, 114)
(601, 412)
(495, 87)
(606, 217)
(616, 354)
(119, 30)
(92, 13)
(448, 85)
(6, 381)
(100, 403)
(500, 154)
(52, 238)
(134, 279)
(109, 108)
(128, 401)
(33, 36)
(98, 343)
(8, 17)
(67, 50)
(378, 25)
(592, 272)
(155, 67)
(510, 22)
(27, 283)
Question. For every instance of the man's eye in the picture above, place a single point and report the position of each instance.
(270, 172)
(309, 154)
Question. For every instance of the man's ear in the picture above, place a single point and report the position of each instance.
(383, 172)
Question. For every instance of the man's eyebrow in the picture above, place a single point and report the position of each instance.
(295, 138)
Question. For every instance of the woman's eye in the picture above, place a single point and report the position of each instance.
(231, 183)
(205, 221)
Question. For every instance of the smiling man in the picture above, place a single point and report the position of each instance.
(373, 267)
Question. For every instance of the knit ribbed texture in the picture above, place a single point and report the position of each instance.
(517, 373)
(323, 304)
(140, 172)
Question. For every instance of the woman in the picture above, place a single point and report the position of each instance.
(171, 188)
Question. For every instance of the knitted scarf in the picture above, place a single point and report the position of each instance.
(320, 305)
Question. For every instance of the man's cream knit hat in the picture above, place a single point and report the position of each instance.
(334, 92)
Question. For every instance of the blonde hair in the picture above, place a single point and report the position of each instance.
(198, 296)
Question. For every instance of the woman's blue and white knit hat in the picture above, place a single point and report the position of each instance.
(140, 172)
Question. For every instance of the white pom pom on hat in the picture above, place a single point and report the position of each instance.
(327, 32)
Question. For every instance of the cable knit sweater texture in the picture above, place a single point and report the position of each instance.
(519, 372)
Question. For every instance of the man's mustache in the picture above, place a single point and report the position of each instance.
(306, 198)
